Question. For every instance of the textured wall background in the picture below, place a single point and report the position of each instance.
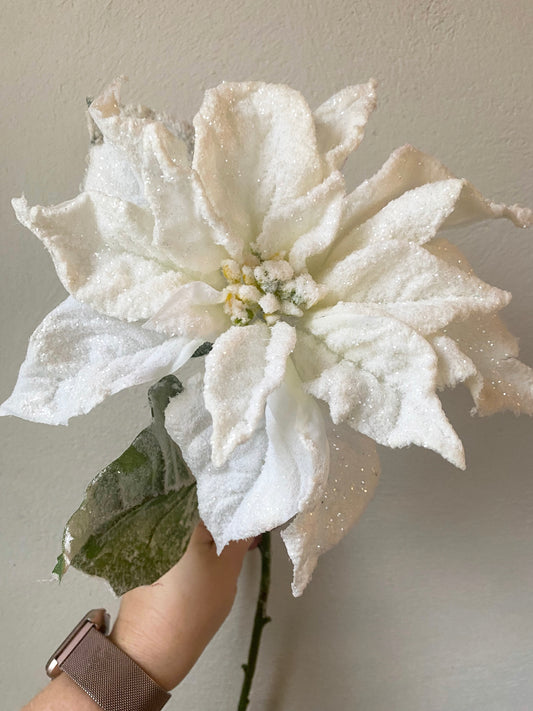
(426, 605)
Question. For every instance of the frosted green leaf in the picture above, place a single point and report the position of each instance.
(60, 568)
(139, 512)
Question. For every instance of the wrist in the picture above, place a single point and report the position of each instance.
(114, 676)
(151, 654)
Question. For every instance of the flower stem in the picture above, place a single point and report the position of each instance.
(260, 621)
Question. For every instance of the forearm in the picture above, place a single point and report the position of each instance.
(62, 694)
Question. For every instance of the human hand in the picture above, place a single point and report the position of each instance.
(166, 626)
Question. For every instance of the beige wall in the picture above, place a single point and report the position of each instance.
(428, 604)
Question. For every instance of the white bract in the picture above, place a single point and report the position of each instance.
(334, 318)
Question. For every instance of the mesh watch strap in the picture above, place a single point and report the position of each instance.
(111, 678)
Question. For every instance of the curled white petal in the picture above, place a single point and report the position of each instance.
(406, 169)
(334, 508)
(501, 382)
(495, 376)
(453, 365)
(110, 172)
(411, 284)
(103, 253)
(304, 227)
(255, 150)
(194, 310)
(245, 365)
(340, 121)
(384, 383)
(415, 216)
(184, 226)
(78, 357)
(269, 477)
(124, 126)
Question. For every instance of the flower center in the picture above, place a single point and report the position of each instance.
(267, 289)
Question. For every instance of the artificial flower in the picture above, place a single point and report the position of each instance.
(333, 318)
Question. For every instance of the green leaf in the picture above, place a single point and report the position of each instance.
(60, 568)
(139, 512)
(203, 350)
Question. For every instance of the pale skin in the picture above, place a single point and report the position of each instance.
(166, 626)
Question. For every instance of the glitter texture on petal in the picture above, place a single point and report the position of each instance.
(384, 386)
(245, 365)
(334, 508)
(340, 121)
(77, 357)
(255, 150)
(270, 476)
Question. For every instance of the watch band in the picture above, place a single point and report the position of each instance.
(110, 677)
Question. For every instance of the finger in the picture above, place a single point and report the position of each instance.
(233, 554)
(201, 536)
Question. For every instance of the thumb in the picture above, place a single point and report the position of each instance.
(230, 560)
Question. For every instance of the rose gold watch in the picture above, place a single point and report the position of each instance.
(106, 673)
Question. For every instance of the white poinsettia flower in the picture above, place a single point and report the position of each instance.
(334, 318)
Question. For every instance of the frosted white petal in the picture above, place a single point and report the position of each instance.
(311, 356)
(255, 150)
(77, 357)
(304, 227)
(409, 283)
(123, 127)
(340, 122)
(415, 216)
(184, 226)
(385, 385)
(332, 510)
(408, 168)
(110, 172)
(453, 365)
(269, 477)
(194, 310)
(245, 365)
(500, 381)
(102, 251)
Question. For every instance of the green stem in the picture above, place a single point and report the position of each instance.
(260, 621)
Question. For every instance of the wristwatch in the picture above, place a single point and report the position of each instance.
(106, 673)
